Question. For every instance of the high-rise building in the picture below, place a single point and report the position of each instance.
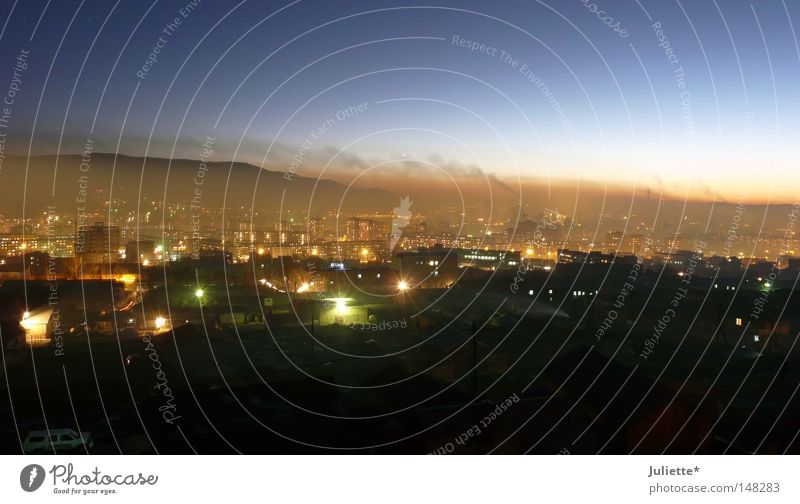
(314, 229)
(359, 229)
(97, 243)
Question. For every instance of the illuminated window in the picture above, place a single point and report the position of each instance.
(738, 321)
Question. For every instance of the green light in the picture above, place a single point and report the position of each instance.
(198, 293)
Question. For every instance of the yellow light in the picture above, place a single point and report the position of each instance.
(159, 248)
(146, 262)
(303, 288)
(261, 251)
(160, 322)
(364, 252)
(198, 293)
(529, 252)
(23, 246)
(26, 315)
(127, 278)
(341, 306)
(403, 285)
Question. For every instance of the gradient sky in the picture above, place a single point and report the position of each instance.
(616, 113)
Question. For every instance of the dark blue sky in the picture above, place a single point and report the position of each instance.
(594, 104)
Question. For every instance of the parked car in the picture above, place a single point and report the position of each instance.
(58, 440)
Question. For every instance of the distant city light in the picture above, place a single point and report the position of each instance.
(303, 288)
(198, 293)
(341, 306)
(26, 315)
(160, 322)
(402, 285)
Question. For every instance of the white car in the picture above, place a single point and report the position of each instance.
(58, 440)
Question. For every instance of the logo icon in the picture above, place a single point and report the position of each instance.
(402, 217)
(31, 477)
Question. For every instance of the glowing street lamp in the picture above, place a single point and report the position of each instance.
(402, 285)
(341, 306)
(199, 293)
(160, 322)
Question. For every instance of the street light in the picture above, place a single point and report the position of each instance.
(160, 322)
(402, 285)
(198, 293)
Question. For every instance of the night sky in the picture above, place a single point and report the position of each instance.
(596, 103)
